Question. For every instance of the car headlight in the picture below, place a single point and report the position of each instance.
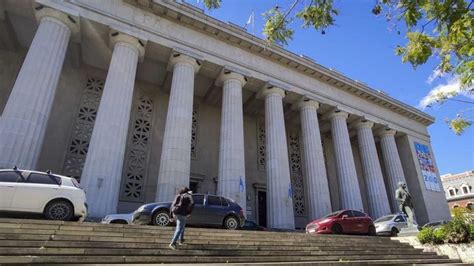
(141, 208)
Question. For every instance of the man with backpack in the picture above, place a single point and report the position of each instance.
(181, 208)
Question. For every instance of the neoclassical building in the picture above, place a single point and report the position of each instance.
(140, 97)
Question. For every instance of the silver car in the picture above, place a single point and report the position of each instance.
(390, 224)
(118, 219)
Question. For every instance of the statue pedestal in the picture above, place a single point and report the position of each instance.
(409, 231)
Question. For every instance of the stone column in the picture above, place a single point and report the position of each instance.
(377, 195)
(231, 182)
(392, 163)
(25, 117)
(279, 196)
(104, 162)
(176, 152)
(345, 166)
(317, 188)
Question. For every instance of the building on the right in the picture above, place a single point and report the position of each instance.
(458, 189)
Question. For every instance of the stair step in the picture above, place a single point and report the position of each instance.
(201, 259)
(194, 252)
(86, 244)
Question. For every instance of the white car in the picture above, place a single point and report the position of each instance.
(56, 197)
(125, 218)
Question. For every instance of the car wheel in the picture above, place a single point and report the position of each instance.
(231, 223)
(372, 231)
(59, 210)
(394, 232)
(336, 229)
(161, 218)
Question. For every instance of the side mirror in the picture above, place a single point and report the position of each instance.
(345, 217)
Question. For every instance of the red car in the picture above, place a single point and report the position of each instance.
(343, 222)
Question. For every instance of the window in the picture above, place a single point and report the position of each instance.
(9, 177)
(224, 202)
(358, 214)
(43, 179)
(470, 206)
(399, 219)
(465, 189)
(198, 199)
(348, 213)
(452, 192)
(213, 200)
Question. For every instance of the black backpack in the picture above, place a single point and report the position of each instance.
(182, 207)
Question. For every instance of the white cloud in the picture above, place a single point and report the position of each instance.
(436, 74)
(443, 91)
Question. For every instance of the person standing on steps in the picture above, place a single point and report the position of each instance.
(181, 208)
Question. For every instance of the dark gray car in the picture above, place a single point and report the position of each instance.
(209, 210)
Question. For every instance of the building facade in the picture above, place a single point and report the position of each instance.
(138, 98)
(458, 189)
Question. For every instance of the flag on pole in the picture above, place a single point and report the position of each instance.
(241, 185)
(251, 21)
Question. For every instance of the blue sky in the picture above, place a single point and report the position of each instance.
(361, 46)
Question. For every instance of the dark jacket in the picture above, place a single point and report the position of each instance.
(183, 204)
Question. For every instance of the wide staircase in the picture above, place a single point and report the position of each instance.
(40, 241)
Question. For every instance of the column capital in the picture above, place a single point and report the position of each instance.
(267, 90)
(363, 123)
(119, 37)
(336, 113)
(304, 102)
(182, 58)
(386, 132)
(227, 74)
(70, 21)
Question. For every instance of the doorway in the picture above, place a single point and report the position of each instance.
(262, 207)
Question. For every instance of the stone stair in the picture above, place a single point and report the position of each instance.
(40, 241)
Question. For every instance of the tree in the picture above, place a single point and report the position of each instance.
(450, 39)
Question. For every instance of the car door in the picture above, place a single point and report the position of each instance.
(360, 222)
(8, 185)
(35, 192)
(346, 221)
(400, 222)
(214, 211)
(197, 216)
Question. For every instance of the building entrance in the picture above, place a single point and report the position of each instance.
(262, 207)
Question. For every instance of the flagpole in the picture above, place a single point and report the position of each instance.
(253, 22)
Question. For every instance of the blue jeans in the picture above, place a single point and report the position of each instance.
(179, 232)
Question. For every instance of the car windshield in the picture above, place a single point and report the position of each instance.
(384, 219)
(332, 214)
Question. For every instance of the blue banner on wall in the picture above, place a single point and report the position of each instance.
(427, 167)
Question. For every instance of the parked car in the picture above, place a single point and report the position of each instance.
(209, 210)
(56, 197)
(342, 222)
(118, 219)
(434, 225)
(253, 226)
(390, 224)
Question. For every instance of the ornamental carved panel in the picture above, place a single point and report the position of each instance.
(194, 131)
(138, 149)
(261, 138)
(82, 128)
(297, 182)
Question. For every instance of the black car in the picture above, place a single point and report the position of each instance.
(209, 210)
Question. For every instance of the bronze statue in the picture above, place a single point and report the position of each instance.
(405, 202)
